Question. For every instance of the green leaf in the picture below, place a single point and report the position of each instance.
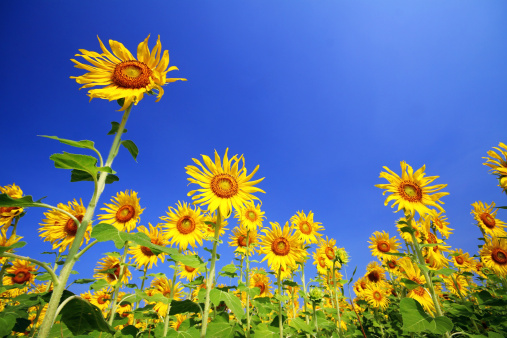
(131, 147)
(290, 283)
(222, 329)
(229, 271)
(190, 333)
(25, 201)
(263, 331)
(13, 246)
(81, 317)
(59, 329)
(74, 161)
(230, 299)
(79, 176)
(130, 331)
(99, 284)
(183, 306)
(114, 128)
(84, 281)
(443, 325)
(78, 144)
(410, 284)
(414, 317)
(445, 271)
(300, 324)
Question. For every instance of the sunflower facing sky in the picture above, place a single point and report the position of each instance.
(143, 256)
(411, 191)
(222, 184)
(238, 240)
(184, 225)
(20, 272)
(306, 228)
(8, 213)
(109, 269)
(250, 216)
(59, 229)
(486, 219)
(124, 212)
(122, 75)
(498, 163)
(382, 245)
(494, 255)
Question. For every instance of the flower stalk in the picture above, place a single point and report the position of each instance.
(117, 286)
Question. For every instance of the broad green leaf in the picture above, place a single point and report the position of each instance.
(230, 299)
(25, 201)
(264, 305)
(414, 317)
(79, 175)
(99, 284)
(224, 330)
(130, 331)
(114, 128)
(443, 325)
(183, 306)
(229, 271)
(494, 335)
(13, 246)
(75, 161)
(190, 333)
(78, 144)
(131, 147)
(84, 281)
(59, 329)
(81, 317)
(300, 324)
(410, 284)
(263, 331)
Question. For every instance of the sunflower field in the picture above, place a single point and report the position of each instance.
(416, 285)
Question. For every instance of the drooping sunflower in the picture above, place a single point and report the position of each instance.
(109, 269)
(143, 256)
(7, 214)
(185, 225)
(281, 247)
(411, 191)
(188, 272)
(376, 296)
(381, 245)
(306, 228)
(222, 184)
(21, 272)
(420, 294)
(59, 229)
(124, 212)
(494, 256)
(122, 75)
(259, 279)
(498, 163)
(250, 216)
(416, 225)
(439, 221)
(486, 219)
(209, 229)
(238, 240)
(457, 284)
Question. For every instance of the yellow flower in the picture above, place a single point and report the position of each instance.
(319, 259)
(376, 296)
(328, 247)
(498, 163)
(185, 226)
(439, 220)
(381, 245)
(239, 237)
(8, 213)
(461, 260)
(165, 287)
(109, 269)
(375, 273)
(6, 242)
(188, 272)
(59, 229)
(209, 229)
(125, 211)
(179, 319)
(306, 228)
(22, 272)
(420, 294)
(486, 219)
(411, 191)
(494, 256)
(222, 184)
(101, 299)
(143, 255)
(122, 75)
(259, 279)
(250, 216)
(457, 285)
(282, 249)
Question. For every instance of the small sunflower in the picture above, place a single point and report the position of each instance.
(319, 260)
(59, 229)
(6, 242)
(7, 214)
(259, 279)
(185, 225)
(209, 229)
(498, 163)
(21, 272)
(165, 287)
(188, 272)
(328, 246)
(420, 294)
(122, 75)
(179, 320)
(486, 219)
(101, 299)
(375, 273)
(494, 256)
(143, 256)
(382, 245)
(462, 260)
(281, 247)
(411, 191)
(376, 296)
(238, 240)
(125, 211)
(222, 184)
(457, 285)
(306, 228)
(439, 221)
(416, 225)
(109, 269)
(250, 216)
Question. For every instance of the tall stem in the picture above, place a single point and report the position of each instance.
(166, 320)
(280, 321)
(247, 279)
(49, 318)
(211, 276)
(117, 286)
(337, 301)
(304, 290)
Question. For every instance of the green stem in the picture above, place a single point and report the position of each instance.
(211, 276)
(337, 301)
(142, 284)
(86, 248)
(117, 286)
(71, 259)
(314, 319)
(304, 290)
(247, 280)
(166, 319)
(280, 321)
(14, 227)
(44, 265)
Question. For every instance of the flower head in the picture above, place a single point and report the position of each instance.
(143, 255)
(306, 228)
(238, 239)
(122, 75)
(486, 219)
(20, 272)
(185, 225)
(250, 216)
(124, 212)
(494, 256)
(188, 272)
(109, 269)
(8, 213)
(381, 245)
(281, 247)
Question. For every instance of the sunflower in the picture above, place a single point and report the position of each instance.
(238, 240)
(21, 272)
(185, 226)
(416, 225)
(375, 273)
(7, 214)
(6, 242)
(457, 285)
(494, 256)
(439, 221)
(122, 75)
(498, 163)
(188, 272)
(376, 296)
(382, 245)
(109, 269)
(319, 259)
(328, 247)
(329, 282)
(222, 184)
(165, 287)
(143, 255)
(259, 279)
(125, 211)
(209, 229)
(420, 294)
(179, 319)
(281, 247)
(59, 229)
(486, 219)
(411, 191)
(306, 228)
(124, 307)
(462, 260)
(250, 216)
(101, 299)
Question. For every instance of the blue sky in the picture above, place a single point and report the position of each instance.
(320, 94)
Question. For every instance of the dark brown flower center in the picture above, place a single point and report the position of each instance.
(146, 251)
(329, 252)
(322, 262)
(131, 74)
(261, 286)
(488, 220)
(21, 275)
(419, 291)
(224, 185)
(251, 215)
(102, 299)
(374, 276)
(71, 227)
(410, 191)
(459, 260)
(241, 241)
(391, 264)
(499, 256)
(305, 227)
(280, 246)
(377, 295)
(189, 269)
(116, 274)
(125, 213)
(185, 225)
(383, 246)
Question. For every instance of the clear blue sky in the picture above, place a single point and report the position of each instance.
(320, 94)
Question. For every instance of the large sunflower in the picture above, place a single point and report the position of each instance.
(281, 247)
(143, 255)
(376, 296)
(122, 75)
(381, 245)
(250, 216)
(486, 219)
(8, 213)
(20, 272)
(185, 225)
(494, 256)
(124, 212)
(411, 191)
(238, 240)
(259, 279)
(306, 228)
(109, 269)
(222, 184)
(59, 229)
